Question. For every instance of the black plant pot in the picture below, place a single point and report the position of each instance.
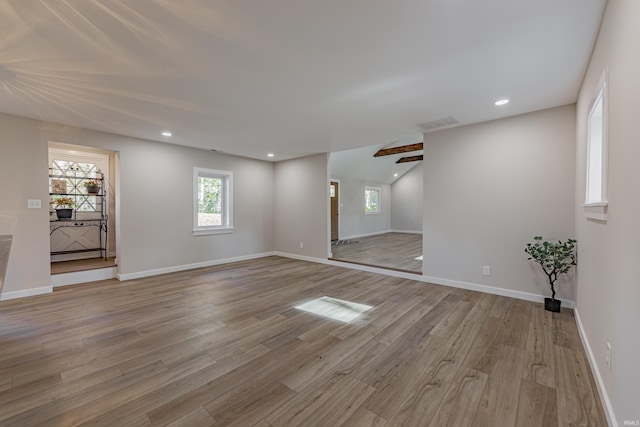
(552, 305)
(64, 213)
(93, 189)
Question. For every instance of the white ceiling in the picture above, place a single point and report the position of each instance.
(288, 76)
(359, 163)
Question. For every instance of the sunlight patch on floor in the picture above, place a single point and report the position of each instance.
(344, 311)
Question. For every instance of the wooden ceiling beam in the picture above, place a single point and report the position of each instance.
(399, 150)
(410, 159)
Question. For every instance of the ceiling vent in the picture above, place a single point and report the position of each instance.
(439, 123)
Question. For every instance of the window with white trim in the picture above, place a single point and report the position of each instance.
(212, 201)
(596, 150)
(596, 167)
(371, 200)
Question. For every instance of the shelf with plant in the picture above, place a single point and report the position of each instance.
(92, 186)
(64, 206)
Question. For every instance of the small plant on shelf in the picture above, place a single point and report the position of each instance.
(555, 259)
(92, 186)
(64, 207)
(63, 202)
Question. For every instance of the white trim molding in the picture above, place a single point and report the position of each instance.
(526, 296)
(357, 236)
(66, 279)
(604, 397)
(176, 268)
(406, 231)
(26, 293)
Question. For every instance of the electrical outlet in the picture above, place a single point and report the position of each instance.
(301, 245)
(486, 270)
(608, 356)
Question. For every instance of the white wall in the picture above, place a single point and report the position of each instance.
(489, 189)
(156, 210)
(302, 206)
(353, 221)
(24, 175)
(608, 290)
(406, 201)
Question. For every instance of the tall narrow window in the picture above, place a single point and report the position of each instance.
(596, 150)
(213, 201)
(371, 200)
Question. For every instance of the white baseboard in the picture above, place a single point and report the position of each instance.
(411, 276)
(26, 293)
(147, 273)
(427, 279)
(604, 397)
(377, 233)
(526, 296)
(407, 231)
(66, 279)
(356, 236)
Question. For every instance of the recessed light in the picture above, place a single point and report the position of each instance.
(166, 133)
(395, 174)
(501, 102)
(270, 155)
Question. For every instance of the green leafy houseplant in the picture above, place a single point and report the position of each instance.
(555, 259)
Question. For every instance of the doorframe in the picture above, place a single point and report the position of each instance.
(339, 213)
(112, 175)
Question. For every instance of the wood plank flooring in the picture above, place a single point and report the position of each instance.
(224, 346)
(395, 251)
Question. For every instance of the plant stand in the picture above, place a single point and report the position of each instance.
(552, 305)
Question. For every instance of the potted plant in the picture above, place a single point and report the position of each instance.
(64, 207)
(92, 186)
(555, 259)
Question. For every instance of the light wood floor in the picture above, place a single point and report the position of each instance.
(81, 265)
(225, 346)
(390, 250)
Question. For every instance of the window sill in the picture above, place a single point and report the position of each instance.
(208, 231)
(372, 213)
(596, 211)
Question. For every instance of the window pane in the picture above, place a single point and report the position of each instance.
(595, 151)
(210, 199)
(83, 202)
(371, 200)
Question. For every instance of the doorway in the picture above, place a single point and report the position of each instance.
(86, 241)
(334, 192)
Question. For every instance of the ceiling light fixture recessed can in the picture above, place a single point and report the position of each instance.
(270, 155)
(166, 133)
(395, 174)
(501, 102)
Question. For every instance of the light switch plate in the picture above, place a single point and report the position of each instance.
(34, 204)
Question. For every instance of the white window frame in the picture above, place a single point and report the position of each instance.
(227, 202)
(596, 173)
(379, 210)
